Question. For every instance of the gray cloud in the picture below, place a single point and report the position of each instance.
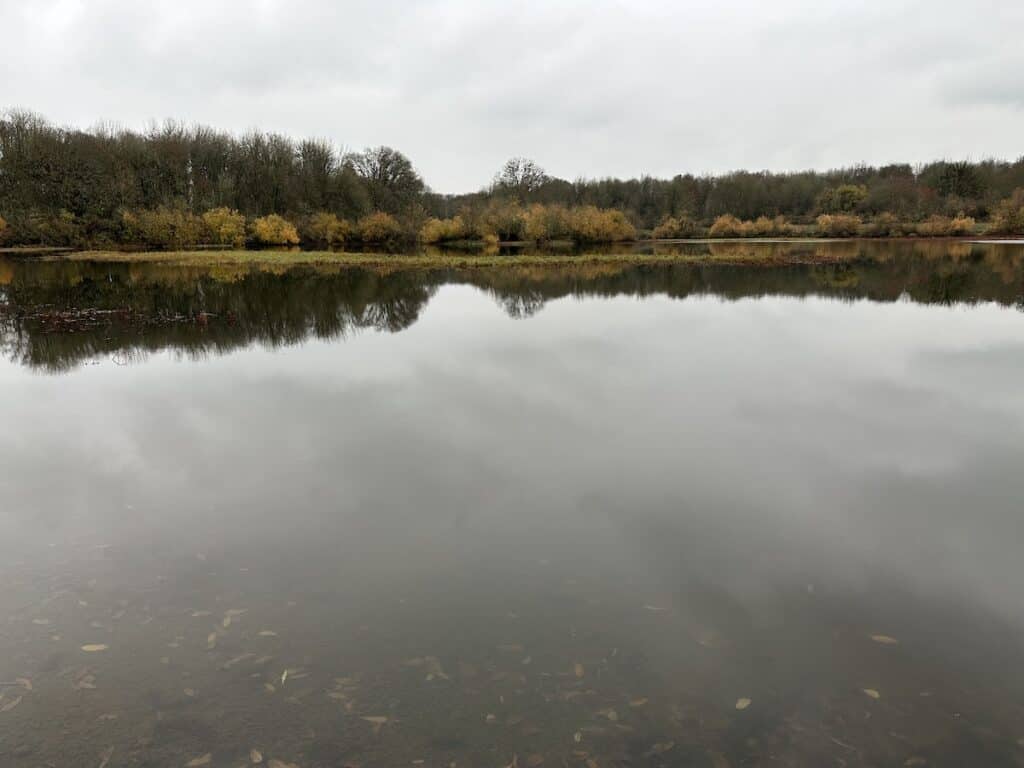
(586, 88)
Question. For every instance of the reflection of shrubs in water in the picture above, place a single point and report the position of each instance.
(58, 314)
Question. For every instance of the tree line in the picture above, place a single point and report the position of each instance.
(175, 185)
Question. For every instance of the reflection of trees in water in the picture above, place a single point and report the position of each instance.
(55, 315)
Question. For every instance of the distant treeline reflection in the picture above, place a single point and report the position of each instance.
(57, 315)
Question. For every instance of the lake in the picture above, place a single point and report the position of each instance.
(703, 514)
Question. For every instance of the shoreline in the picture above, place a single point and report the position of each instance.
(465, 258)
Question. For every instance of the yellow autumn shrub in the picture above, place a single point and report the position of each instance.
(274, 230)
(225, 226)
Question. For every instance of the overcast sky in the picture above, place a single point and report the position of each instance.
(585, 88)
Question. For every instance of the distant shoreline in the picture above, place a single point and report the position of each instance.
(757, 251)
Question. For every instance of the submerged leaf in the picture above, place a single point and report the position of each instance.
(10, 705)
(885, 639)
(742, 703)
(661, 748)
(377, 721)
(872, 693)
(94, 648)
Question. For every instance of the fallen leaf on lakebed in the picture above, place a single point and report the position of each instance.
(377, 721)
(660, 748)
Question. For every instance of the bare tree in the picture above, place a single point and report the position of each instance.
(520, 176)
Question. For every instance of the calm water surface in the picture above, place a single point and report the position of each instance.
(701, 515)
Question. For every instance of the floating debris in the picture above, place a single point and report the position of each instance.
(190, 692)
(200, 614)
(637, 702)
(41, 622)
(578, 669)
(610, 714)
(885, 639)
(24, 682)
(200, 761)
(211, 641)
(255, 756)
(872, 693)
(267, 633)
(742, 703)
(577, 737)
(95, 647)
(269, 687)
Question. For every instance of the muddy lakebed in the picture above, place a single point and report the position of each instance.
(695, 514)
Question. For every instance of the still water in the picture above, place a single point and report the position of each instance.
(691, 515)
